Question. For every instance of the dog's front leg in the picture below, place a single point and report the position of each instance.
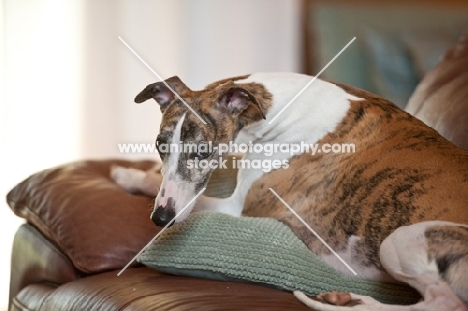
(229, 205)
(137, 181)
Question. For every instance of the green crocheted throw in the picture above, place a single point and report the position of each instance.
(260, 250)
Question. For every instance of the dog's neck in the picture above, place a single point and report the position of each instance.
(304, 119)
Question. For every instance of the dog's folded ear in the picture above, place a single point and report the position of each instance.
(237, 99)
(162, 92)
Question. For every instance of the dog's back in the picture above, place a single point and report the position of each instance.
(401, 173)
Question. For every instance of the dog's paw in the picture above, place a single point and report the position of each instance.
(338, 299)
(130, 179)
(335, 302)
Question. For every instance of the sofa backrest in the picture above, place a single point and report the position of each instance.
(441, 98)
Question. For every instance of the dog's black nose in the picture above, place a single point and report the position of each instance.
(161, 216)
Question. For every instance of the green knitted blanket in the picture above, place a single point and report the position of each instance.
(260, 250)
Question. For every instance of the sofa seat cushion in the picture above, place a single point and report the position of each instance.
(94, 222)
(145, 289)
(31, 297)
(441, 98)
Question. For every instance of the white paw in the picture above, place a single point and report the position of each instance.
(356, 303)
(129, 179)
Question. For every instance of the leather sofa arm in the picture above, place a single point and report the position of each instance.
(36, 259)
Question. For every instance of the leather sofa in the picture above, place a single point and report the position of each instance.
(82, 228)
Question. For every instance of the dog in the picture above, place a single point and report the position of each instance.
(396, 209)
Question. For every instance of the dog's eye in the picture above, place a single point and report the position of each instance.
(160, 141)
(203, 151)
(202, 155)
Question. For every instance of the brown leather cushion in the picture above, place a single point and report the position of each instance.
(97, 224)
(146, 289)
(441, 99)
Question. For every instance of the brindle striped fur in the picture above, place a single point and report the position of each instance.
(206, 104)
(403, 172)
(448, 246)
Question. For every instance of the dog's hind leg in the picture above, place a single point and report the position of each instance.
(447, 245)
(432, 257)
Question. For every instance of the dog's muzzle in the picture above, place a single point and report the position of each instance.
(162, 215)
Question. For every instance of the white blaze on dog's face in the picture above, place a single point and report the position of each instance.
(182, 143)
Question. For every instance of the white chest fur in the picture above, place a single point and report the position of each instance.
(316, 112)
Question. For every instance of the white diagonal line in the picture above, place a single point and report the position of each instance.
(160, 78)
(160, 232)
(310, 82)
(313, 231)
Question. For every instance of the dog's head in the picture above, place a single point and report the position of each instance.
(185, 141)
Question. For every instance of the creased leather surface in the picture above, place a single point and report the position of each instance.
(441, 99)
(97, 224)
(146, 289)
(31, 297)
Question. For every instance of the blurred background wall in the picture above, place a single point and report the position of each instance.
(68, 83)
